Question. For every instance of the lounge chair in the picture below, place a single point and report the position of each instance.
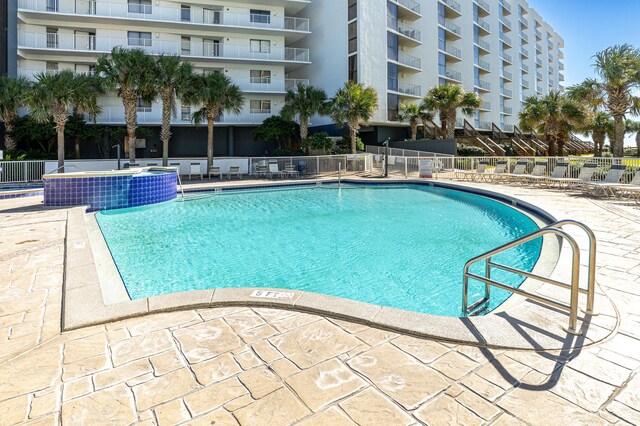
(215, 171)
(538, 171)
(194, 169)
(630, 190)
(519, 171)
(612, 179)
(290, 170)
(558, 172)
(500, 170)
(274, 170)
(473, 175)
(261, 170)
(234, 170)
(585, 175)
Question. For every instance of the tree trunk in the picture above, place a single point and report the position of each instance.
(552, 145)
(210, 119)
(560, 147)
(424, 129)
(617, 147)
(598, 142)
(304, 128)
(129, 101)
(414, 131)
(165, 131)
(9, 142)
(60, 131)
(353, 131)
(638, 144)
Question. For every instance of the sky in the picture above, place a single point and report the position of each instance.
(588, 26)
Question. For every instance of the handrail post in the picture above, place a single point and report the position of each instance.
(575, 286)
(487, 272)
(465, 293)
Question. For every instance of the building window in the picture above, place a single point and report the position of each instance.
(52, 5)
(51, 68)
(207, 71)
(140, 6)
(185, 13)
(260, 16)
(353, 68)
(392, 46)
(442, 64)
(185, 45)
(139, 39)
(353, 9)
(392, 107)
(392, 76)
(143, 105)
(185, 113)
(260, 46)
(353, 37)
(211, 47)
(260, 107)
(52, 38)
(210, 16)
(260, 76)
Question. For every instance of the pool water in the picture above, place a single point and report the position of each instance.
(397, 246)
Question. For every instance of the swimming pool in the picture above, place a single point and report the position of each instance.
(398, 246)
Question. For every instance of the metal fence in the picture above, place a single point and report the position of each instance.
(380, 150)
(316, 165)
(21, 171)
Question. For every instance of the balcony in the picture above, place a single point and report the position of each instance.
(120, 10)
(410, 9)
(506, 57)
(508, 128)
(560, 76)
(483, 5)
(506, 40)
(453, 51)
(94, 45)
(486, 106)
(560, 66)
(551, 70)
(409, 61)
(506, 92)
(550, 57)
(452, 75)
(538, 34)
(539, 62)
(414, 36)
(506, 75)
(483, 85)
(506, 23)
(525, 83)
(453, 5)
(115, 115)
(524, 22)
(453, 28)
(482, 125)
(539, 76)
(507, 110)
(524, 67)
(524, 36)
(524, 52)
(483, 64)
(483, 45)
(409, 89)
(506, 6)
(560, 54)
(552, 83)
(483, 24)
(538, 49)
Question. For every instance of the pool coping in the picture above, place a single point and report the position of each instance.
(84, 300)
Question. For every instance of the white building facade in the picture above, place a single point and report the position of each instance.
(501, 49)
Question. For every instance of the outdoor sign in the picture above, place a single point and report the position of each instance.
(265, 294)
(425, 168)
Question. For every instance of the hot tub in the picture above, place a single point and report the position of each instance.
(111, 190)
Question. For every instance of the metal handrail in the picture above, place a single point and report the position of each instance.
(574, 286)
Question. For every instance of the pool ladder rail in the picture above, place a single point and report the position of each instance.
(574, 286)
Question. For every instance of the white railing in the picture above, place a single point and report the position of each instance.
(483, 44)
(409, 60)
(453, 51)
(483, 84)
(409, 89)
(524, 67)
(399, 152)
(483, 4)
(453, 5)
(506, 92)
(486, 106)
(115, 115)
(506, 74)
(314, 165)
(410, 4)
(404, 29)
(21, 171)
(506, 22)
(193, 15)
(483, 24)
(484, 64)
(454, 28)
(452, 74)
(104, 44)
(524, 36)
(505, 38)
(292, 83)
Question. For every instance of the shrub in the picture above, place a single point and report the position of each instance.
(343, 146)
(279, 152)
(318, 141)
(470, 151)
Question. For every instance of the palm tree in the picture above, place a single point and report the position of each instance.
(410, 113)
(217, 94)
(129, 72)
(12, 96)
(446, 99)
(555, 116)
(600, 125)
(425, 117)
(54, 95)
(172, 78)
(305, 102)
(619, 69)
(634, 127)
(354, 104)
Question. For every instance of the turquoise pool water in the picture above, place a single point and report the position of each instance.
(398, 246)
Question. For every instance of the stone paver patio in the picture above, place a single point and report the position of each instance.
(269, 366)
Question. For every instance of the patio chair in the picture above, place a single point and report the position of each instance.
(612, 179)
(471, 174)
(274, 170)
(630, 190)
(538, 171)
(290, 170)
(500, 170)
(519, 171)
(234, 170)
(261, 170)
(215, 171)
(194, 169)
(558, 172)
(585, 175)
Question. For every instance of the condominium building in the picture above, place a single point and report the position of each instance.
(501, 49)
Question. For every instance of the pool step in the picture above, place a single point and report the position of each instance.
(479, 306)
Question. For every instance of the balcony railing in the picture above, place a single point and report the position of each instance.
(483, 44)
(560, 76)
(452, 74)
(453, 5)
(505, 57)
(409, 60)
(414, 6)
(524, 36)
(483, 4)
(524, 67)
(404, 29)
(115, 115)
(551, 70)
(539, 75)
(507, 110)
(484, 64)
(550, 58)
(453, 51)
(506, 22)
(560, 66)
(483, 24)
(538, 34)
(505, 4)
(525, 83)
(485, 85)
(409, 89)
(454, 28)
(104, 44)
(482, 125)
(524, 21)
(506, 74)
(486, 106)
(506, 92)
(195, 15)
(539, 61)
(524, 52)
(505, 38)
